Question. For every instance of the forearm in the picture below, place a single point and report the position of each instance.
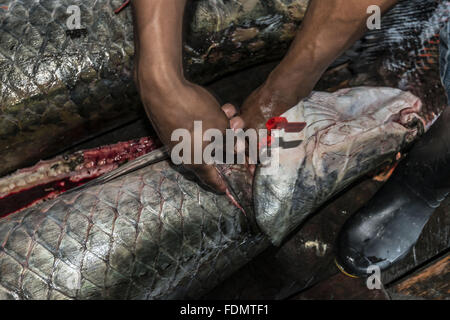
(158, 41)
(330, 27)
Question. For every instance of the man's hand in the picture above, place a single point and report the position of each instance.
(176, 105)
(328, 29)
(274, 97)
(170, 101)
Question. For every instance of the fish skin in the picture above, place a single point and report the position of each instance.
(153, 234)
(404, 53)
(56, 91)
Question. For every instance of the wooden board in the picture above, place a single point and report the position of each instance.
(342, 287)
(431, 282)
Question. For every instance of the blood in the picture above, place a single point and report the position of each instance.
(96, 162)
(123, 6)
(26, 198)
(278, 123)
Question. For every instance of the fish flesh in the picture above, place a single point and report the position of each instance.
(47, 179)
(153, 234)
(59, 87)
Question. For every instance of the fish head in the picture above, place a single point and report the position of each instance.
(349, 133)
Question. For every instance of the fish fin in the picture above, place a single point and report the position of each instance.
(239, 181)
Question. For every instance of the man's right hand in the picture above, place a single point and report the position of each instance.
(176, 104)
(170, 101)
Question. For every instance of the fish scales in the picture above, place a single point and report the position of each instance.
(151, 234)
(404, 53)
(56, 91)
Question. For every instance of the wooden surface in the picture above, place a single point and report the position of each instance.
(342, 287)
(431, 282)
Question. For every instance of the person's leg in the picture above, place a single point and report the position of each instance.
(387, 228)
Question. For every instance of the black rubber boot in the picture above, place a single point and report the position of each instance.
(387, 228)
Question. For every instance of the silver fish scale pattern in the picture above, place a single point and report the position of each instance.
(404, 53)
(51, 85)
(34, 42)
(148, 235)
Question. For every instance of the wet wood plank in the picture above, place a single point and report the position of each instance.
(342, 287)
(431, 282)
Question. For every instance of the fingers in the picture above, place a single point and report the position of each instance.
(237, 123)
(207, 174)
(215, 180)
(252, 169)
(230, 110)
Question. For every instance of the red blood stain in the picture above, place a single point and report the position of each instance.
(26, 198)
(96, 162)
(118, 10)
(278, 123)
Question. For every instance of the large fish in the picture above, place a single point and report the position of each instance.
(59, 86)
(153, 234)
